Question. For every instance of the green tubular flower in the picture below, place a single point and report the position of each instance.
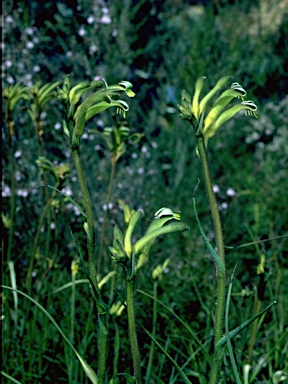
(220, 84)
(195, 104)
(125, 252)
(100, 100)
(219, 105)
(248, 106)
(207, 124)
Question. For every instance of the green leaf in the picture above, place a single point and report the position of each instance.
(86, 367)
(70, 199)
(230, 350)
(180, 371)
(152, 235)
(220, 84)
(220, 267)
(239, 329)
(10, 377)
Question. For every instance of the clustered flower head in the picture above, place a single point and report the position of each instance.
(207, 122)
(100, 100)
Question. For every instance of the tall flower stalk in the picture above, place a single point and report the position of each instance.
(76, 115)
(131, 256)
(205, 123)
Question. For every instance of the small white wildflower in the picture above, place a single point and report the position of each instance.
(68, 53)
(104, 207)
(52, 225)
(82, 32)
(115, 32)
(9, 19)
(90, 19)
(76, 211)
(140, 171)
(43, 115)
(230, 192)
(29, 45)
(224, 205)
(100, 123)
(154, 144)
(134, 155)
(57, 126)
(67, 190)
(6, 191)
(8, 63)
(92, 49)
(22, 192)
(36, 68)
(29, 31)
(105, 19)
(18, 154)
(216, 188)
(10, 80)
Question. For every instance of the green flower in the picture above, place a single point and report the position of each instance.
(206, 121)
(99, 100)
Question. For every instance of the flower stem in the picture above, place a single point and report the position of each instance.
(220, 308)
(132, 330)
(102, 337)
(89, 217)
(110, 188)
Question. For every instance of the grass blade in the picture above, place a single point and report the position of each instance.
(86, 367)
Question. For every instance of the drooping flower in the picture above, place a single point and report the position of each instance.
(206, 121)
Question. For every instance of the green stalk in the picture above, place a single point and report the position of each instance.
(89, 216)
(154, 322)
(132, 330)
(110, 188)
(102, 338)
(220, 277)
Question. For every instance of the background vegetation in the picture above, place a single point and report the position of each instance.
(161, 47)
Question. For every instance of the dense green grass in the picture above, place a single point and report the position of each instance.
(248, 160)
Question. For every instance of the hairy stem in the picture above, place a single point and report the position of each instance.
(220, 308)
(110, 188)
(132, 330)
(89, 217)
(102, 338)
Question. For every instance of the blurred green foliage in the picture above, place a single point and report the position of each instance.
(161, 47)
